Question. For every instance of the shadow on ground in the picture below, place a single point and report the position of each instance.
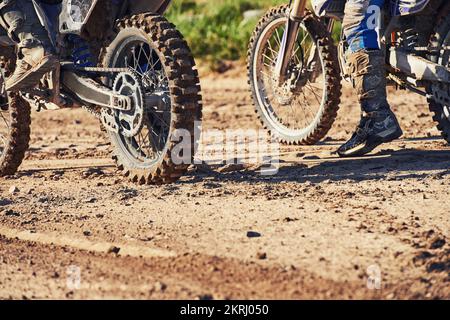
(389, 165)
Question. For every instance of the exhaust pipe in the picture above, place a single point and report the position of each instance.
(418, 67)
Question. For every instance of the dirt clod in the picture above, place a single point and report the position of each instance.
(437, 243)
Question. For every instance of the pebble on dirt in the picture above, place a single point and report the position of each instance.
(231, 168)
(11, 213)
(311, 158)
(261, 255)
(160, 286)
(205, 297)
(5, 202)
(14, 190)
(92, 172)
(114, 249)
(91, 200)
(253, 234)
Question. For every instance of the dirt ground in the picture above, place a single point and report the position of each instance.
(321, 228)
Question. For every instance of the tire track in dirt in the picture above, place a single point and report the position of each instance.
(84, 244)
(191, 276)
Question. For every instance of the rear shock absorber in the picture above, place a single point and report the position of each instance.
(81, 55)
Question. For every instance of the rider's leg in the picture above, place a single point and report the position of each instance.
(366, 62)
(35, 56)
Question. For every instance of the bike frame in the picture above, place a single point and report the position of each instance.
(83, 89)
(67, 24)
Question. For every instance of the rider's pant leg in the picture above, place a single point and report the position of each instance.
(35, 52)
(23, 24)
(361, 24)
(364, 58)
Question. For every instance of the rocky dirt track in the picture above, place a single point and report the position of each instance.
(318, 229)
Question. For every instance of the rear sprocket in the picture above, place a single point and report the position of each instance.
(130, 121)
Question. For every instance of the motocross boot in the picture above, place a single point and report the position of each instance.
(35, 54)
(378, 123)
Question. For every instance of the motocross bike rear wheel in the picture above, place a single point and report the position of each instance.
(440, 39)
(160, 62)
(303, 109)
(14, 120)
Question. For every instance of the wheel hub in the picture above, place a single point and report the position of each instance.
(285, 92)
(298, 75)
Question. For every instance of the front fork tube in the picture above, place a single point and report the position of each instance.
(296, 14)
(286, 48)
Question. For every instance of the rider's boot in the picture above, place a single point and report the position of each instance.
(378, 123)
(35, 53)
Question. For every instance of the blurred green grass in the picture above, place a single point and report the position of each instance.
(216, 29)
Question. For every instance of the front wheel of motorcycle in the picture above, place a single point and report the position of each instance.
(161, 63)
(303, 109)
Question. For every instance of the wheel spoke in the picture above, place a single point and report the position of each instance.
(6, 122)
(139, 58)
(274, 53)
(268, 58)
(4, 141)
(278, 39)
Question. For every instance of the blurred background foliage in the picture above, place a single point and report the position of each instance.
(218, 30)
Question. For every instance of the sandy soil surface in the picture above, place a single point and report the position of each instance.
(321, 228)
